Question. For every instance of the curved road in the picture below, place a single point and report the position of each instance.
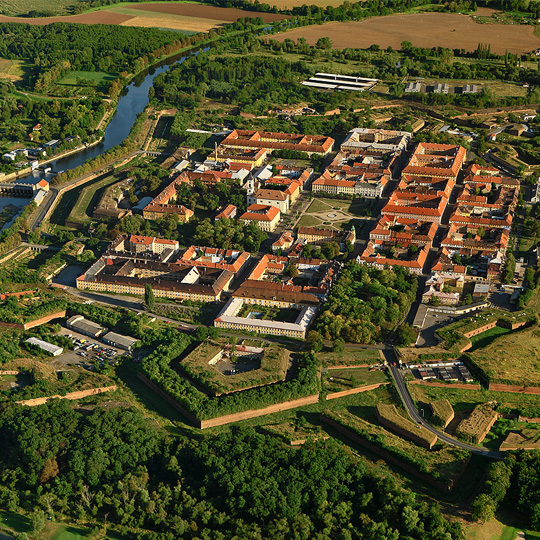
(416, 417)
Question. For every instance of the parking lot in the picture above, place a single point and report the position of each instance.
(87, 350)
(432, 322)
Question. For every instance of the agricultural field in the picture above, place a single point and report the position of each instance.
(188, 17)
(429, 30)
(290, 4)
(513, 358)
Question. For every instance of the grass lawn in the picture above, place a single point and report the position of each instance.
(318, 205)
(75, 202)
(14, 522)
(350, 357)
(465, 400)
(99, 79)
(485, 338)
(309, 221)
(89, 198)
(497, 530)
(11, 69)
(345, 379)
(513, 358)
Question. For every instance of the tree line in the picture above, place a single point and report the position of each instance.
(113, 467)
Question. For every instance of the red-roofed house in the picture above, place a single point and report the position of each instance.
(265, 216)
(438, 160)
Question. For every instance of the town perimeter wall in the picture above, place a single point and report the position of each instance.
(514, 388)
(72, 395)
(252, 413)
(387, 456)
(35, 322)
(352, 391)
(464, 386)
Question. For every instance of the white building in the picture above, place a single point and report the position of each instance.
(46, 346)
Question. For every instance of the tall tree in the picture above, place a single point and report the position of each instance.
(149, 298)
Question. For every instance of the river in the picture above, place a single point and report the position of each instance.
(132, 102)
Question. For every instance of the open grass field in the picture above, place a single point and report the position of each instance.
(338, 380)
(512, 358)
(77, 204)
(496, 530)
(11, 523)
(11, 69)
(99, 79)
(422, 30)
(486, 338)
(465, 400)
(350, 357)
(188, 17)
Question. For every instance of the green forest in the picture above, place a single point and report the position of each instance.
(366, 302)
(114, 465)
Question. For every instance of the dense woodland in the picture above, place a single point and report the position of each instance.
(253, 83)
(366, 302)
(109, 48)
(115, 464)
(512, 484)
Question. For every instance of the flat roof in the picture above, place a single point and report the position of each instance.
(78, 321)
(125, 341)
(46, 346)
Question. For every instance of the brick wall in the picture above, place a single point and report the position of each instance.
(352, 391)
(254, 413)
(407, 434)
(43, 320)
(229, 418)
(477, 331)
(35, 322)
(514, 388)
(72, 395)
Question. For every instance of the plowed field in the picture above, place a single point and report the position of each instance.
(422, 30)
(189, 17)
(207, 12)
(96, 17)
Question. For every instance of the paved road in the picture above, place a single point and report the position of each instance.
(416, 417)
